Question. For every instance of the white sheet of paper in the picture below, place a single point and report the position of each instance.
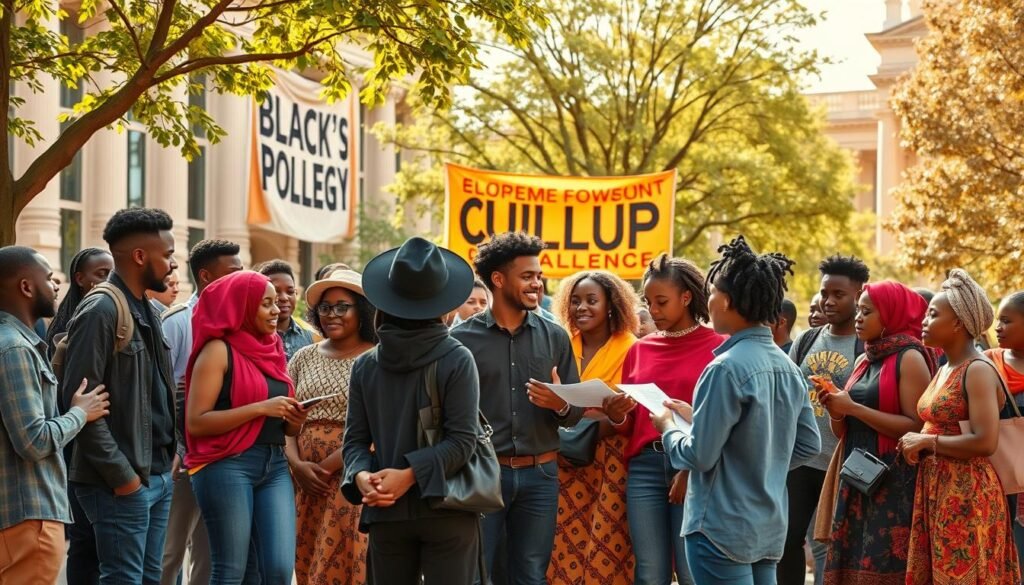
(586, 394)
(653, 399)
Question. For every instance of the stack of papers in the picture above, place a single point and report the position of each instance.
(589, 394)
(653, 399)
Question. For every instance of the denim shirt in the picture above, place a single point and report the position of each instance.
(752, 423)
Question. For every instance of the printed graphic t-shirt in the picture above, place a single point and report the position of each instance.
(831, 356)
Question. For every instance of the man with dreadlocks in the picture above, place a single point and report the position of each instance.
(752, 421)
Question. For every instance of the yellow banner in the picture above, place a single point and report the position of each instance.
(618, 224)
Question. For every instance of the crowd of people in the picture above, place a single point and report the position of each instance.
(265, 445)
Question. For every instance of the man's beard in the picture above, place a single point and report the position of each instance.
(154, 283)
(516, 301)
(43, 308)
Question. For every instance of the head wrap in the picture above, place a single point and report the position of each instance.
(227, 310)
(901, 311)
(969, 301)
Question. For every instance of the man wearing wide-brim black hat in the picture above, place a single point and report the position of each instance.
(516, 351)
(412, 286)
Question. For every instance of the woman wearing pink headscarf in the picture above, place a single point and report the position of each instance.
(868, 535)
(239, 406)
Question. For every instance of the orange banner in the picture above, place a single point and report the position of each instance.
(618, 224)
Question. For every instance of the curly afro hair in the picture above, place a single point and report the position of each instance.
(851, 267)
(203, 254)
(137, 220)
(494, 255)
(621, 297)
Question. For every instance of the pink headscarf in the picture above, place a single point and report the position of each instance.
(227, 311)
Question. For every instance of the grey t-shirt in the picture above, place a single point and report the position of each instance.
(830, 356)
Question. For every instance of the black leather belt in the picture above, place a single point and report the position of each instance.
(656, 446)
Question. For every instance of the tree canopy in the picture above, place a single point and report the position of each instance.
(155, 48)
(962, 110)
(621, 87)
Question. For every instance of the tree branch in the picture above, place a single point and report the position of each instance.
(190, 66)
(162, 28)
(129, 28)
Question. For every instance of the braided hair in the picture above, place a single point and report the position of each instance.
(687, 277)
(69, 303)
(756, 284)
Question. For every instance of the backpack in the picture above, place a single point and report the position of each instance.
(122, 334)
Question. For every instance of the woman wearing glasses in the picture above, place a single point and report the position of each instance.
(329, 547)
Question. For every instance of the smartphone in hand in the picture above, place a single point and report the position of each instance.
(311, 402)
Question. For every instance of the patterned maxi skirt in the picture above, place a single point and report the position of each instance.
(961, 533)
(592, 544)
(329, 548)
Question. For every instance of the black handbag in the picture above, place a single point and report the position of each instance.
(863, 472)
(578, 444)
(477, 486)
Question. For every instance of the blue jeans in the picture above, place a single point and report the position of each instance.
(528, 520)
(129, 529)
(710, 566)
(248, 503)
(655, 525)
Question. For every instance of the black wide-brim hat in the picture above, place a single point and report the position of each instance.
(418, 280)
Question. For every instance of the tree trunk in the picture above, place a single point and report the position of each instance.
(8, 216)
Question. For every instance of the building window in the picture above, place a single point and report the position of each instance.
(71, 176)
(196, 235)
(197, 179)
(136, 169)
(197, 186)
(198, 100)
(306, 260)
(70, 29)
(70, 237)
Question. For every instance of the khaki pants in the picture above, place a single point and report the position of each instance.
(31, 553)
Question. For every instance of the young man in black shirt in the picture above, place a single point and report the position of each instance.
(515, 352)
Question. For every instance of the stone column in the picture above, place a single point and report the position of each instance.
(167, 189)
(893, 13)
(38, 225)
(890, 171)
(379, 168)
(105, 173)
(228, 184)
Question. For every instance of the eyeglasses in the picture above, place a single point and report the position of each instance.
(339, 310)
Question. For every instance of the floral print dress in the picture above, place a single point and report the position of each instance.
(961, 529)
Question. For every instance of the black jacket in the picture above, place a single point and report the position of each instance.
(111, 451)
(386, 392)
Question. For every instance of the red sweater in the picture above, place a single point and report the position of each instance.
(674, 364)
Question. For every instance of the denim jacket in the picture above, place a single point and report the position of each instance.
(752, 422)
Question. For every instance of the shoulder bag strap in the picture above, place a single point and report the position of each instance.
(125, 327)
(430, 420)
(1006, 391)
(806, 342)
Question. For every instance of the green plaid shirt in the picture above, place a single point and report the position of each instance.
(33, 481)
